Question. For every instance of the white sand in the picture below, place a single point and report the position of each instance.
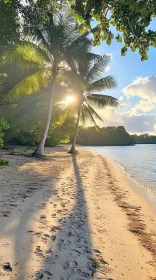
(73, 218)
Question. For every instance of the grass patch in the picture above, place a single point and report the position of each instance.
(4, 162)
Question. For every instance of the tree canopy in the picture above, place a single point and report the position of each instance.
(126, 21)
(145, 139)
(9, 22)
(130, 18)
(104, 136)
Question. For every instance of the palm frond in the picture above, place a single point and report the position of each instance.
(72, 80)
(76, 51)
(40, 39)
(85, 62)
(30, 85)
(102, 84)
(26, 54)
(58, 34)
(99, 100)
(91, 60)
(81, 43)
(98, 69)
(86, 115)
(92, 111)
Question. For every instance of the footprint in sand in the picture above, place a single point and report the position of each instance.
(46, 235)
(7, 267)
(53, 215)
(43, 217)
(71, 265)
(60, 220)
(48, 251)
(39, 275)
(53, 237)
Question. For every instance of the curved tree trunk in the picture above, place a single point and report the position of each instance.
(73, 150)
(39, 151)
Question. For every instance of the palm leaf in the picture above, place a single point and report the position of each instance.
(72, 80)
(100, 100)
(26, 54)
(30, 85)
(98, 68)
(81, 43)
(39, 37)
(89, 61)
(59, 34)
(86, 115)
(92, 111)
(102, 84)
(76, 51)
(85, 62)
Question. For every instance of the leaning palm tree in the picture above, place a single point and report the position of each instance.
(84, 81)
(57, 42)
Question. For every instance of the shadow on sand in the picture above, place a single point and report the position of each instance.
(15, 241)
(70, 257)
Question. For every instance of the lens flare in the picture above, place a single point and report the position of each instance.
(69, 99)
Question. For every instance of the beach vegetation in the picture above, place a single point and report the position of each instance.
(10, 23)
(4, 162)
(145, 138)
(26, 120)
(57, 42)
(42, 53)
(104, 136)
(3, 127)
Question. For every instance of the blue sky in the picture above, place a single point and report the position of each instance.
(136, 89)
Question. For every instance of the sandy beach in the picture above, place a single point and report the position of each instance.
(73, 218)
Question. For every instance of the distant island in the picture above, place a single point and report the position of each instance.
(145, 139)
(111, 136)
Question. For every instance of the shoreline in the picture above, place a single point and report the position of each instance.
(143, 189)
(73, 217)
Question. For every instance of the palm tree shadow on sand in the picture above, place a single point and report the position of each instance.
(72, 256)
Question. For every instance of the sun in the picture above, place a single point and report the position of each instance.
(69, 99)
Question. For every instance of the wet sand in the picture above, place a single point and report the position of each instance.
(73, 217)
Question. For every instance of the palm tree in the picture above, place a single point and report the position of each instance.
(57, 42)
(84, 81)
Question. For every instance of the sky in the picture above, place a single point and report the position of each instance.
(136, 89)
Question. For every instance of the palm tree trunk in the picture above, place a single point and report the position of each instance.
(39, 151)
(73, 150)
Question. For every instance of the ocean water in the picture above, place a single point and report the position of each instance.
(139, 161)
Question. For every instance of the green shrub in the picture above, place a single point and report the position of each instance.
(4, 162)
(3, 127)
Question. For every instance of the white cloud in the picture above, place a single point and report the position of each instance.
(121, 98)
(124, 105)
(140, 123)
(133, 123)
(142, 87)
(144, 106)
